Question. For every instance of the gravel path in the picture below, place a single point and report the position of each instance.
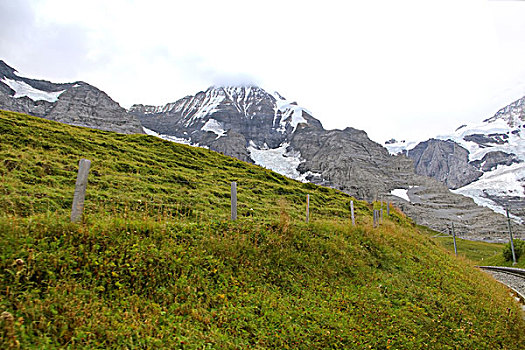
(515, 282)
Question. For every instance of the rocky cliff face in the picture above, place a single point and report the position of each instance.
(444, 160)
(73, 103)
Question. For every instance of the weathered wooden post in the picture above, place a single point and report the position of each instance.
(375, 218)
(381, 212)
(234, 200)
(511, 240)
(80, 190)
(307, 208)
(352, 212)
(454, 236)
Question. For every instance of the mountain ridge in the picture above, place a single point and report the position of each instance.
(77, 103)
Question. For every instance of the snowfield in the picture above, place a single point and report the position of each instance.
(23, 89)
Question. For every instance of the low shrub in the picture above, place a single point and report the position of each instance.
(519, 247)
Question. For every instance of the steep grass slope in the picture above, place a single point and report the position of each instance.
(157, 263)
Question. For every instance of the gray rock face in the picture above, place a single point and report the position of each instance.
(85, 105)
(73, 103)
(445, 161)
(486, 140)
(433, 205)
(492, 159)
(347, 158)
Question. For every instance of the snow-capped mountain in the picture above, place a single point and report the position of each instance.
(75, 103)
(485, 161)
(221, 116)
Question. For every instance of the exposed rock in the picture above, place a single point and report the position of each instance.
(492, 159)
(486, 140)
(73, 103)
(233, 144)
(346, 158)
(85, 105)
(446, 161)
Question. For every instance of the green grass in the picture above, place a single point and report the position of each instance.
(478, 252)
(157, 264)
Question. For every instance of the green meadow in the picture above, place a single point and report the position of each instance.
(156, 261)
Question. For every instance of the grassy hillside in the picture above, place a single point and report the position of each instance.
(156, 262)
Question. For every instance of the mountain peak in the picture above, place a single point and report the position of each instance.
(7, 71)
(513, 114)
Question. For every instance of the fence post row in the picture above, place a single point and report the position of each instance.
(80, 190)
(81, 185)
(234, 200)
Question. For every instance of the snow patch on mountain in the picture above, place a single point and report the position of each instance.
(23, 89)
(504, 181)
(277, 159)
(215, 127)
(291, 113)
(401, 193)
(395, 147)
(167, 137)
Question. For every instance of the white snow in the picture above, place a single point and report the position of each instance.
(400, 146)
(167, 137)
(401, 193)
(277, 159)
(23, 89)
(215, 127)
(290, 113)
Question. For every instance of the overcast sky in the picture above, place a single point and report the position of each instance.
(402, 69)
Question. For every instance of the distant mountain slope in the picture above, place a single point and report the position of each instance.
(73, 103)
(491, 168)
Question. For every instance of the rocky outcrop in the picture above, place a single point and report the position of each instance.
(85, 105)
(492, 159)
(234, 145)
(446, 161)
(73, 103)
(347, 158)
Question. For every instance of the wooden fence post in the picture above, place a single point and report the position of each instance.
(234, 200)
(80, 190)
(454, 236)
(511, 240)
(352, 212)
(307, 208)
